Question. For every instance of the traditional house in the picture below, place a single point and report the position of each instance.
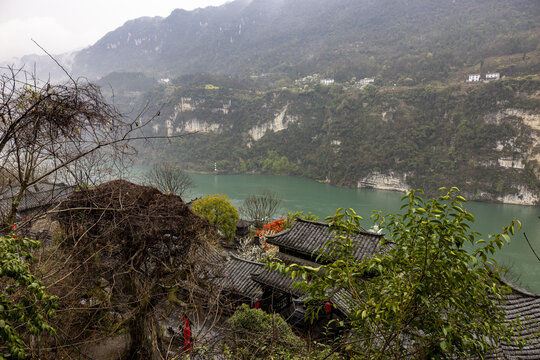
(237, 281)
(473, 78)
(493, 76)
(302, 244)
(524, 306)
(327, 81)
(365, 81)
(36, 198)
(242, 228)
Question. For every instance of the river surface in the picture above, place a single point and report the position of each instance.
(299, 194)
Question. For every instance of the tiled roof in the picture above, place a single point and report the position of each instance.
(525, 306)
(237, 278)
(307, 237)
(46, 195)
(276, 280)
(290, 259)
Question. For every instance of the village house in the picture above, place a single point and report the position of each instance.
(327, 81)
(272, 291)
(365, 81)
(493, 76)
(36, 198)
(256, 285)
(473, 78)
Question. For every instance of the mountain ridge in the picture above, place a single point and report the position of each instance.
(414, 38)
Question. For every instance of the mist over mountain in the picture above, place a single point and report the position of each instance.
(418, 39)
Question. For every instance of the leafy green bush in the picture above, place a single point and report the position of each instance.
(256, 334)
(426, 290)
(217, 209)
(25, 305)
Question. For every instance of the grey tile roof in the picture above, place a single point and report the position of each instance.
(276, 280)
(290, 259)
(525, 306)
(42, 195)
(307, 237)
(237, 278)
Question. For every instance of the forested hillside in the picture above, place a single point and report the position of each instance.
(482, 138)
(412, 41)
(246, 77)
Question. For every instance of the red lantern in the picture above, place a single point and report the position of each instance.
(257, 304)
(187, 333)
(187, 346)
(328, 306)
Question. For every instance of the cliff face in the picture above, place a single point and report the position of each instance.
(484, 139)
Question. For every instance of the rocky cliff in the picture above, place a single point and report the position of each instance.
(482, 139)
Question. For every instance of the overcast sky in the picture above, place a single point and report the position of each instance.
(66, 25)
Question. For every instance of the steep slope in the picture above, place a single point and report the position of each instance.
(483, 138)
(417, 39)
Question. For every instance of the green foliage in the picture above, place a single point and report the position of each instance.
(276, 164)
(217, 209)
(25, 305)
(291, 217)
(426, 296)
(436, 135)
(255, 334)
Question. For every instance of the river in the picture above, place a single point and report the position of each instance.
(299, 194)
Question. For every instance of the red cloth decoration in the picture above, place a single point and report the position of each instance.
(257, 304)
(328, 306)
(187, 333)
(185, 321)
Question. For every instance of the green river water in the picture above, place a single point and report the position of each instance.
(301, 194)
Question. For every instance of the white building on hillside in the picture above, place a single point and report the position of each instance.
(327, 81)
(366, 81)
(473, 78)
(493, 76)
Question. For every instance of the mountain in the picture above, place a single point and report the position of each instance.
(483, 138)
(417, 40)
(246, 77)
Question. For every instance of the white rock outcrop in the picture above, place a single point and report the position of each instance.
(531, 119)
(390, 181)
(523, 197)
(195, 125)
(511, 163)
(280, 122)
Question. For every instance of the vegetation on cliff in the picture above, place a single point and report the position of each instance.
(458, 134)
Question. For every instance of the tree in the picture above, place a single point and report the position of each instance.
(24, 302)
(255, 334)
(169, 179)
(148, 249)
(92, 169)
(424, 296)
(261, 207)
(217, 209)
(46, 127)
(46, 131)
